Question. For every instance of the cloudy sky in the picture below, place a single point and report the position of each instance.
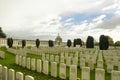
(44, 19)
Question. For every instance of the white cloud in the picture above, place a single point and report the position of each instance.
(69, 20)
(38, 18)
(101, 17)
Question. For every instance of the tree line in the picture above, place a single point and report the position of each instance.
(10, 43)
(104, 42)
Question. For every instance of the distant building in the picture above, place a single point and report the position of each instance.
(18, 42)
(58, 40)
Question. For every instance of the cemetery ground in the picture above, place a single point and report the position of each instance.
(9, 61)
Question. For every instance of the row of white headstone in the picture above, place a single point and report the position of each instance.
(87, 57)
(112, 59)
(70, 59)
(43, 66)
(57, 50)
(60, 59)
(21, 52)
(2, 54)
(9, 74)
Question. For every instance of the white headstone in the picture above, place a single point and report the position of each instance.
(17, 59)
(51, 58)
(115, 75)
(76, 54)
(75, 61)
(57, 59)
(45, 67)
(99, 74)
(29, 77)
(43, 57)
(39, 65)
(66, 55)
(33, 64)
(68, 61)
(23, 61)
(19, 76)
(2, 54)
(71, 55)
(119, 66)
(5, 73)
(28, 63)
(100, 64)
(85, 73)
(0, 72)
(20, 60)
(54, 69)
(91, 64)
(62, 59)
(47, 57)
(82, 63)
(62, 54)
(62, 72)
(87, 58)
(11, 75)
(73, 72)
(109, 67)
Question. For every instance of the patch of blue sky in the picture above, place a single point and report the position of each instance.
(109, 16)
(80, 17)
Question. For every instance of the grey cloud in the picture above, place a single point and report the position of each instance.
(110, 24)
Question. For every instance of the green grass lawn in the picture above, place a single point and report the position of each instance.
(9, 61)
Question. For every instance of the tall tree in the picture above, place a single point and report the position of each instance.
(23, 43)
(10, 42)
(74, 43)
(50, 42)
(69, 43)
(117, 43)
(111, 42)
(2, 34)
(77, 41)
(103, 42)
(90, 42)
(37, 43)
